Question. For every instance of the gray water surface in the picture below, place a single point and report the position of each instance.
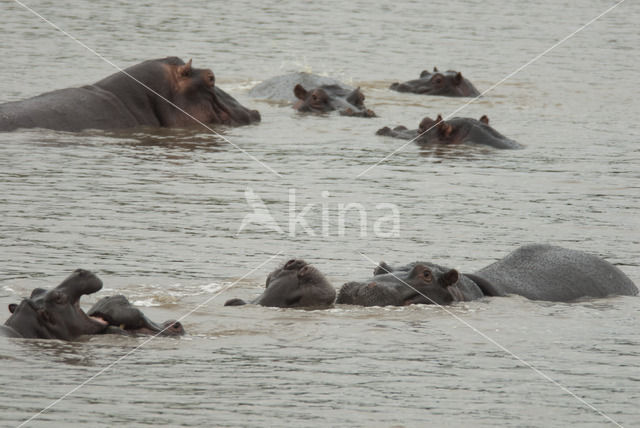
(156, 214)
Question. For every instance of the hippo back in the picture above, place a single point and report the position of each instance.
(546, 272)
(280, 88)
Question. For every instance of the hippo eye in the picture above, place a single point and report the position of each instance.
(427, 275)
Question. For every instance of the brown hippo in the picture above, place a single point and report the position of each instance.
(313, 94)
(457, 130)
(296, 284)
(537, 272)
(450, 84)
(136, 97)
(56, 313)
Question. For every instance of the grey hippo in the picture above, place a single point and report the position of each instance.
(458, 130)
(294, 285)
(313, 94)
(449, 83)
(120, 102)
(537, 272)
(56, 313)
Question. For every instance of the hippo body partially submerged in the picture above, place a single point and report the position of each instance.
(294, 285)
(458, 130)
(314, 94)
(137, 98)
(537, 272)
(449, 83)
(56, 314)
(124, 318)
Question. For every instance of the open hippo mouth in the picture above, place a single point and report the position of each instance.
(56, 314)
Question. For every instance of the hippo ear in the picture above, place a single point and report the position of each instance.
(426, 124)
(300, 92)
(424, 73)
(304, 271)
(457, 79)
(185, 70)
(484, 119)
(435, 69)
(444, 128)
(12, 307)
(381, 269)
(449, 278)
(356, 97)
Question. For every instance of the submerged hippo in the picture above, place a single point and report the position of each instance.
(311, 93)
(119, 101)
(124, 318)
(296, 284)
(452, 131)
(450, 84)
(56, 314)
(537, 272)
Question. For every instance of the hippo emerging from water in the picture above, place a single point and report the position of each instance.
(124, 318)
(452, 131)
(537, 272)
(316, 94)
(450, 84)
(294, 285)
(119, 101)
(56, 314)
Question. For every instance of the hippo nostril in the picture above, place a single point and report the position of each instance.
(289, 263)
(177, 325)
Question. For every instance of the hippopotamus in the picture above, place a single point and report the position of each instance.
(537, 272)
(294, 285)
(450, 84)
(452, 131)
(136, 97)
(123, 318)
(56, 314)
(315, 94)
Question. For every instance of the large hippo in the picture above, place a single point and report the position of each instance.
(296, 284)
(119, 101)
(124, 318)
(450, 83)
(457, 130)
(56, 314)
(312, 93)
(537, 272)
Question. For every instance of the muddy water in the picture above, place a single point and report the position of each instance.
(156, 214)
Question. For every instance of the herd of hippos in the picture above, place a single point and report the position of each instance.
(171, 93)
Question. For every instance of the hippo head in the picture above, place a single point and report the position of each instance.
(462, 130)
(415, 283)
(449, 83)
(192, 94)
(118, 312)
(56, 314)
(328, 98)
(295, 284)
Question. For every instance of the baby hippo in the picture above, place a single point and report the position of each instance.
(294, 285)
